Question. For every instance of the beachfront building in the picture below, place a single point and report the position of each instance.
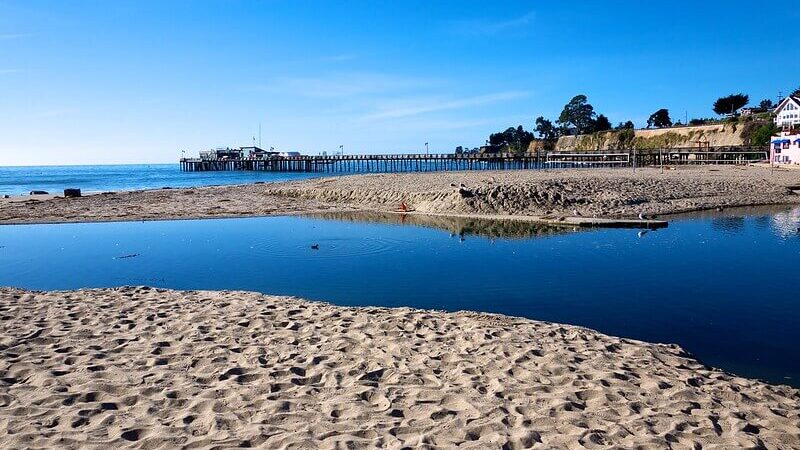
(787, 114)
(785, 148)
(222, 153)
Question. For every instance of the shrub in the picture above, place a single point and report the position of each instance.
(759, 134)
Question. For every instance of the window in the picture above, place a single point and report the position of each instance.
(785, 144)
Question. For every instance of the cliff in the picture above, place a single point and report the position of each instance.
(727, 134)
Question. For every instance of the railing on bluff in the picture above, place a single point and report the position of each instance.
(485, 161)
(657, 157)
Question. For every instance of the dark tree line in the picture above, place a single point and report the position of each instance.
(659, 119)
(579, 117)
(513, 140)
(730, 104)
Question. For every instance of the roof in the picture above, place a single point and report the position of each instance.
(792, 98)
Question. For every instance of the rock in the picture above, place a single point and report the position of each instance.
(72, 193)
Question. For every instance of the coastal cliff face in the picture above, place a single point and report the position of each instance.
(728, 134)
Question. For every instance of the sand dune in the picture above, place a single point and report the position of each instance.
(597, 192)
(147, 368)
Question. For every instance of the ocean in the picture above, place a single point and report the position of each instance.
(102, 178)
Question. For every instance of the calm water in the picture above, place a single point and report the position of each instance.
(21, 180)
(725, 288)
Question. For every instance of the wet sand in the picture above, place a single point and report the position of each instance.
(148, 368)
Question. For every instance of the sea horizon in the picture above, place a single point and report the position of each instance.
(21, 180)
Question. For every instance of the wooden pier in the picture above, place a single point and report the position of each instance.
(485, 161)
(366, 163)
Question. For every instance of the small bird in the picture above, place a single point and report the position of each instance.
(577, 213)
(642, 233)
(314, 246)
(642, 217)
(463, 185)
(453, 185)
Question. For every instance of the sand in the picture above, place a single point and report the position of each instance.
(604, 193)
(147, 368)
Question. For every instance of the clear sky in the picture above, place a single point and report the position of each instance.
(85, 82)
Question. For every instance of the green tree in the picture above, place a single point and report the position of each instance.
(514, 140)
(625, 137)
(796, 92)
(545, 129)
(602, 123)
(659, 119)
(763, 134)
(625, 125)
(730, 104)
(577, 113)
(766, 104)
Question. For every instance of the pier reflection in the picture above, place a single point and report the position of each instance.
(457, 226)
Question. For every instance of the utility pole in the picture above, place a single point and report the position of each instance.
(341, 149)
(426, 149)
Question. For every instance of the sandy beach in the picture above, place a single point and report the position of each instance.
(605, 193)
(146, 368)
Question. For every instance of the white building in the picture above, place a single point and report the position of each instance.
(787, 114)
(785, 148)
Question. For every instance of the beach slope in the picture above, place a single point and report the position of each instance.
(147, 368)
(601, 193)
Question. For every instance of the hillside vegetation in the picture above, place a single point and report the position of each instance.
(717, 135)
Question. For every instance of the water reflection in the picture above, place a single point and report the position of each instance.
(728, 224)
(456, 226)
(783, 221)
(787, 223)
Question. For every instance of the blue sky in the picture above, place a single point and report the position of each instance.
(85, 82)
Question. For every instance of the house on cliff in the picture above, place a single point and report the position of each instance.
(787, 114)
